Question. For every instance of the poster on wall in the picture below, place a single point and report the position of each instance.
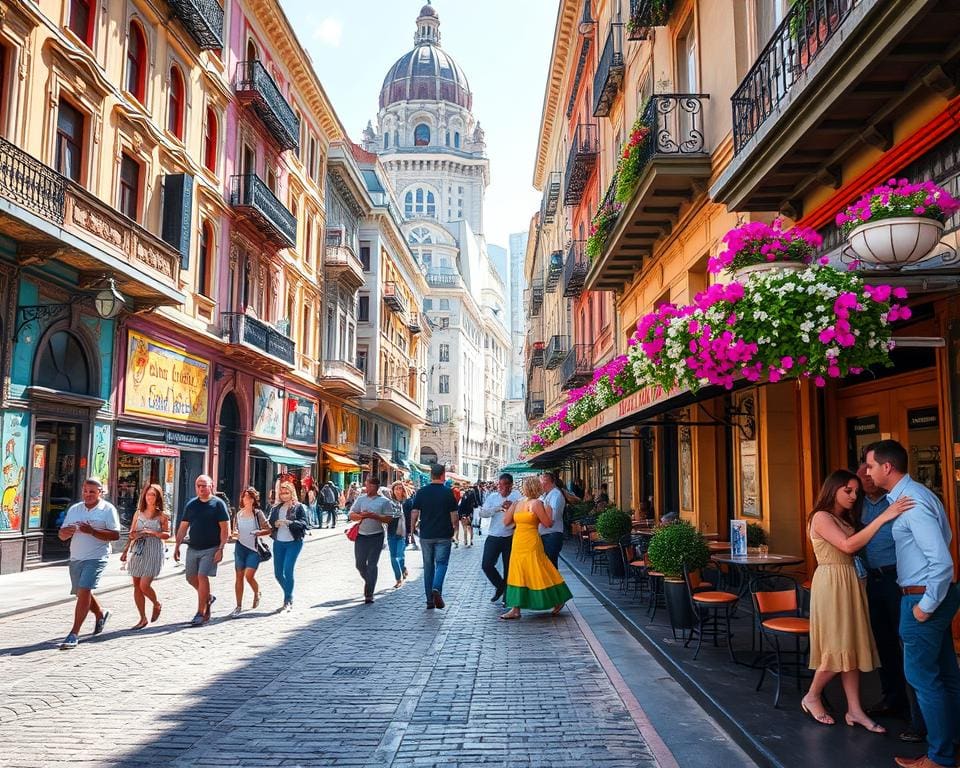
(100, 464)
(13, 470)
(302, 419)
(267, 411)
(749, 492)
(37, 476)
(165, 382)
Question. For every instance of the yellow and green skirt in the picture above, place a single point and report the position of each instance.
(532, 580)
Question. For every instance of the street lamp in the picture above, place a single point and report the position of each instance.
(109, 301)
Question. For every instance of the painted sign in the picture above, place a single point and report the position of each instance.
(100, 463)
(13, 469)
(302, 419)
(738, 537)
(166, 382)
(37, 475)
(267, 411)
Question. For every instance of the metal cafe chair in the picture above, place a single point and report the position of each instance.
(710, 607)
(776, 605)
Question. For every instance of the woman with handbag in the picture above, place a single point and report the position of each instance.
(249, 551)
(370, 512)
(288, 524)
(397, 533)
(144, 551)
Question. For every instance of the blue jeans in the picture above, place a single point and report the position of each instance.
(397, 546)
(552, 546)
(930, 666)
(285, 554)
(436, 555)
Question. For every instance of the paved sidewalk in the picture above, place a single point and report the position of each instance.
(333, 683)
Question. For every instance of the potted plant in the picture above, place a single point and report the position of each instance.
(648, 14)
(613, 525)
(759, 247)
(635, 154)
(756, 535)
(897, 223)
(600, 228)
(671, 547)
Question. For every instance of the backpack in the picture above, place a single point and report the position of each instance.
(327, 494)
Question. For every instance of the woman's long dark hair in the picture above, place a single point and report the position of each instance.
(827, 500)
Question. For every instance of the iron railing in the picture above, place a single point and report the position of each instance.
(575, 268)
(392, 297)
(556, 351)
(255, 85)
(535, 405)
(608, 79)
(645, 15)
(584, 151)
(796, 43)
(577, 368)
(239, 328)
(536, 297)
(251, 194)
(203, 19)
(443, 279)
(551, 197)
(27, 182)
(537, 352)
(554, 270)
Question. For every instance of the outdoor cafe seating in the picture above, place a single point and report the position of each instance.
(777, 611)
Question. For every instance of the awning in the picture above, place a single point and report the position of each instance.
(519, 468)
(385, 459)
(340, 463)
(458, 478)
(420, 469)
(147, 449)
(280, 455)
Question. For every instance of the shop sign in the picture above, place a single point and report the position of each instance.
(165, 382)
(267, 411)
(864, 425)
(100, 466)
(923, 418)
(302, 419)
(37, 471)
(148, 449)
(13, 470)
(186, 439)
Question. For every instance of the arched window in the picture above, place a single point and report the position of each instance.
(205, 260)
(62, 365)
(421, 135)
(448, 139)
(420, 235)
(81, 20)
(456, 139)
(175, 103)
(408, 205)
(419, 197)
(386, 141)
(136, 61)
(252, 53)
(396, 138)
(431, 205)
(210, 131)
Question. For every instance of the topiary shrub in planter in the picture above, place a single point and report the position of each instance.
(756, 535)
(672, 547)
(614, 524)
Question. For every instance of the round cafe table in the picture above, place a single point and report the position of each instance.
(753, 566)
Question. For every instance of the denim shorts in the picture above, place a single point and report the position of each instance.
(244, 557)
(85, 574)
(200, 562)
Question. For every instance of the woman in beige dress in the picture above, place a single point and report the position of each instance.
(841, 641)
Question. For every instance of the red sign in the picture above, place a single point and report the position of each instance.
(148, 449)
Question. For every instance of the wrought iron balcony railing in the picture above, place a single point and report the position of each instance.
(238, 328)
(203, 19)
(414, 323)
(438, 278)
(577, 368)
(249, 195)
(26, 181)
(645, 15)
(676, 125)
(608, 79)
(551, 197)
(537, 351)
(580, 162)
(795, 44)
(557, 349)
(575, 268)
(393, 297)
(340, 261)
(554, 270)
(535, 405)
(256, 87)
(536, 297)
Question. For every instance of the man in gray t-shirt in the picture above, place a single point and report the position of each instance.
(372, 511)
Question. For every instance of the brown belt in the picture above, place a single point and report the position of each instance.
(913, 590)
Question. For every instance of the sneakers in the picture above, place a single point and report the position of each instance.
(71, 641)
(438, 599)
(236, 612)
(497, 595)
(198, 620)
(101, 623)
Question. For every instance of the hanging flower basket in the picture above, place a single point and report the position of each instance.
(757, 247)
(739, 275)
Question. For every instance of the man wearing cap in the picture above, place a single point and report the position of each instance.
(89, 525)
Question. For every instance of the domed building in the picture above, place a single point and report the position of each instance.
(433, 151)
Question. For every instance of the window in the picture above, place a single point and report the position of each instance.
(210, 131)
(305, 326)
(444, 353)
(456, 140)
(365, 256)
(364, 431)
(421, 135)
(444, 414)
(444, 322)
(81, 20)
(386, 141)
(129, 186)
(62, 365)
(175, 103)
(70, 125)
(444, 384)
(427, 305)
(426, 257)
(136, 61)
(445, 305)
(312, 158)
(363, 309)
(252, 53)
(447, 141)
(206, 259)
(420, 202)
(362, 360)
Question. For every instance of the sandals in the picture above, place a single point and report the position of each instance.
(256, 599)
(556, 609)
(873, 727)
(140, 624)
(824, 718)
(156, 612)
(509, 615)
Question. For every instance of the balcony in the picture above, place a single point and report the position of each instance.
(256, 88)
(537, 353)
(577, 368)
(557, 349)
(414, 323)
(554, 270)
(394, 404)
(50, 217)
(535, 406)
(393, 297)
(832, 80)
(608, 79)
(674, 163)
(342, 379)
(253, 199)
(581, 161)
(439, 279)
(339, 260)
(536, 297)
(252, 340)
(645, 15)
(575, 268)
(551, 197)
(203, 20)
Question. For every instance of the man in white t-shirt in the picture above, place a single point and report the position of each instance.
(555, 502)
(499, 536)
(89, 526)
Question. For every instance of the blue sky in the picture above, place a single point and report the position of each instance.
(503, 46)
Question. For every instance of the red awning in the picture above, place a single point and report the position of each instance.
(148, 449)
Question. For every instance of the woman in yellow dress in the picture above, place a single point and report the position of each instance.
(532, 580)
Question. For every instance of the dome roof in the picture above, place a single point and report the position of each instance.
(428, 10)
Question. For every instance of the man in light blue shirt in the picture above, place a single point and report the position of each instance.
(928, 604)
(499, 536)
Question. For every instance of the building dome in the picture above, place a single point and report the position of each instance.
(427, 73)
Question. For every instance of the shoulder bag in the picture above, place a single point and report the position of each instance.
(353, 531)
(262, 549)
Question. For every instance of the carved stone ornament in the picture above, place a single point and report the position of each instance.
(153, 258)
(94, 222)
(137, 141)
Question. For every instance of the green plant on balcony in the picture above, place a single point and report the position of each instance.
(657, 13)
(600, 228)
(756, 535)
(634, 157)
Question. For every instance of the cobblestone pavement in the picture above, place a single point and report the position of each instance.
(333, 683)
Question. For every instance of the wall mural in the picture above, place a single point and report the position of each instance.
(13, 469)
(100, 465)
(268, 411)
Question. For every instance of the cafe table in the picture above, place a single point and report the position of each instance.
(753, 566)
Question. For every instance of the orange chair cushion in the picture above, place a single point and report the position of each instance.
(794, 625)
(654, 573)
(715, 597)
(637, 563)
(781, 601)
(604, 547)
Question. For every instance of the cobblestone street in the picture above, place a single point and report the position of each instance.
(333, 683)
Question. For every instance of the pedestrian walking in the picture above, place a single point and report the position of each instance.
(288, 525)
(314, 512)
(435, 509)
(251, 524)
(408, 517)
(465, 507)
(208, 521)
(397, 533)
(371, 511)
(329, 495)
(532, 581)
(928, 604)
(499, 536)
(89, 525)
(555, 502)
(841, 641)
(144, 550)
